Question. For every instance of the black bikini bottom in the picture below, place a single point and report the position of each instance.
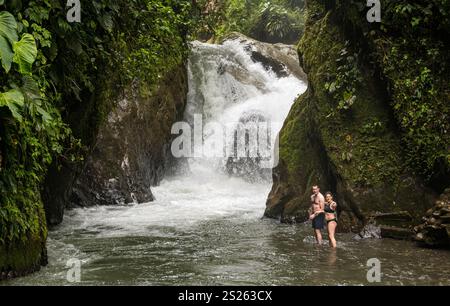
(332, 220)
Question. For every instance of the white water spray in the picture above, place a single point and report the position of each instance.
(205, 227)
(225, 84)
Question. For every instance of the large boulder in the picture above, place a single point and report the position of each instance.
(343, 134)
(132, 149)
(128, 136)
(280, 58)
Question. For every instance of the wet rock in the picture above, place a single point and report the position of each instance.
(401, 216)
(369, 231)
(251, 168)
(132, 151)
(282, 59)
(396, 232)
(445, 218)
(435, 229)
(325, 145)
(126, 131)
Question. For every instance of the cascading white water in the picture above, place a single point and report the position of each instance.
(205, 227)
(227, 87)
(224, 84)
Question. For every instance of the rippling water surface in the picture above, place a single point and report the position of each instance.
(220, 239)
(205, 228)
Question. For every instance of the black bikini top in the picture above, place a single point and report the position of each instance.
(328, 209)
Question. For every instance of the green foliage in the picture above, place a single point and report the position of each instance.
(31, 132)
(408, 51)
(278, 21)
(14, 100)
(416, 63)
(265, 20)
(153, 44)
(22, 52)
(373, 128)
(8, 36)
(343, 84)
(51, 69)
(25, 53)
(8, 26)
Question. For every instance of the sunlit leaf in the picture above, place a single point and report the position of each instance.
(14, 100)
(25, 53)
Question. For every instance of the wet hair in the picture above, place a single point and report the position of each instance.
(316, 186)
(329, 193)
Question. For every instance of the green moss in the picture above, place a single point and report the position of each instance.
(343, 133)
(79, 71)
(409, 49)
(360, 159)
(23, 257)
(22, 246)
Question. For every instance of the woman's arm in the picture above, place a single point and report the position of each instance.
(333, 206)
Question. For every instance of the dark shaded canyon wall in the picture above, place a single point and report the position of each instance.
(130, 148)
(349, 132)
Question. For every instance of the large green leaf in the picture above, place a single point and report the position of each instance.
(25, 53)
(6, 54)
(14, 100)
(8, 27)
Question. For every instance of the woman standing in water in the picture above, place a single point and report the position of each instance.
(331, 217)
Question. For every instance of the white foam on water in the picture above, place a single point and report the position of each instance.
(221, 94)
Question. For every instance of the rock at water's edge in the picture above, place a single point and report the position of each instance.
(320, 144)
(435, 229)
(129, 146)
(132, 149)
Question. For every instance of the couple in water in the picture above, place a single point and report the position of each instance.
(323, 210)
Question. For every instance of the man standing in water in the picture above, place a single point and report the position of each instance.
(317, 213)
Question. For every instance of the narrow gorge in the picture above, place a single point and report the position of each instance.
(127, 149)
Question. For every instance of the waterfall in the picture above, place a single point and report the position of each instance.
(226, 86)
(205, 226)
(231, 92)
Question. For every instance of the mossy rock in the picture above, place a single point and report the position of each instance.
(22, 258)
(325, 144)
(26, 254)
(132, 147)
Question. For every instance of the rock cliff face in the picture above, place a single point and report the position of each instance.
(129, 149)
(132, 149)
(346, 134)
